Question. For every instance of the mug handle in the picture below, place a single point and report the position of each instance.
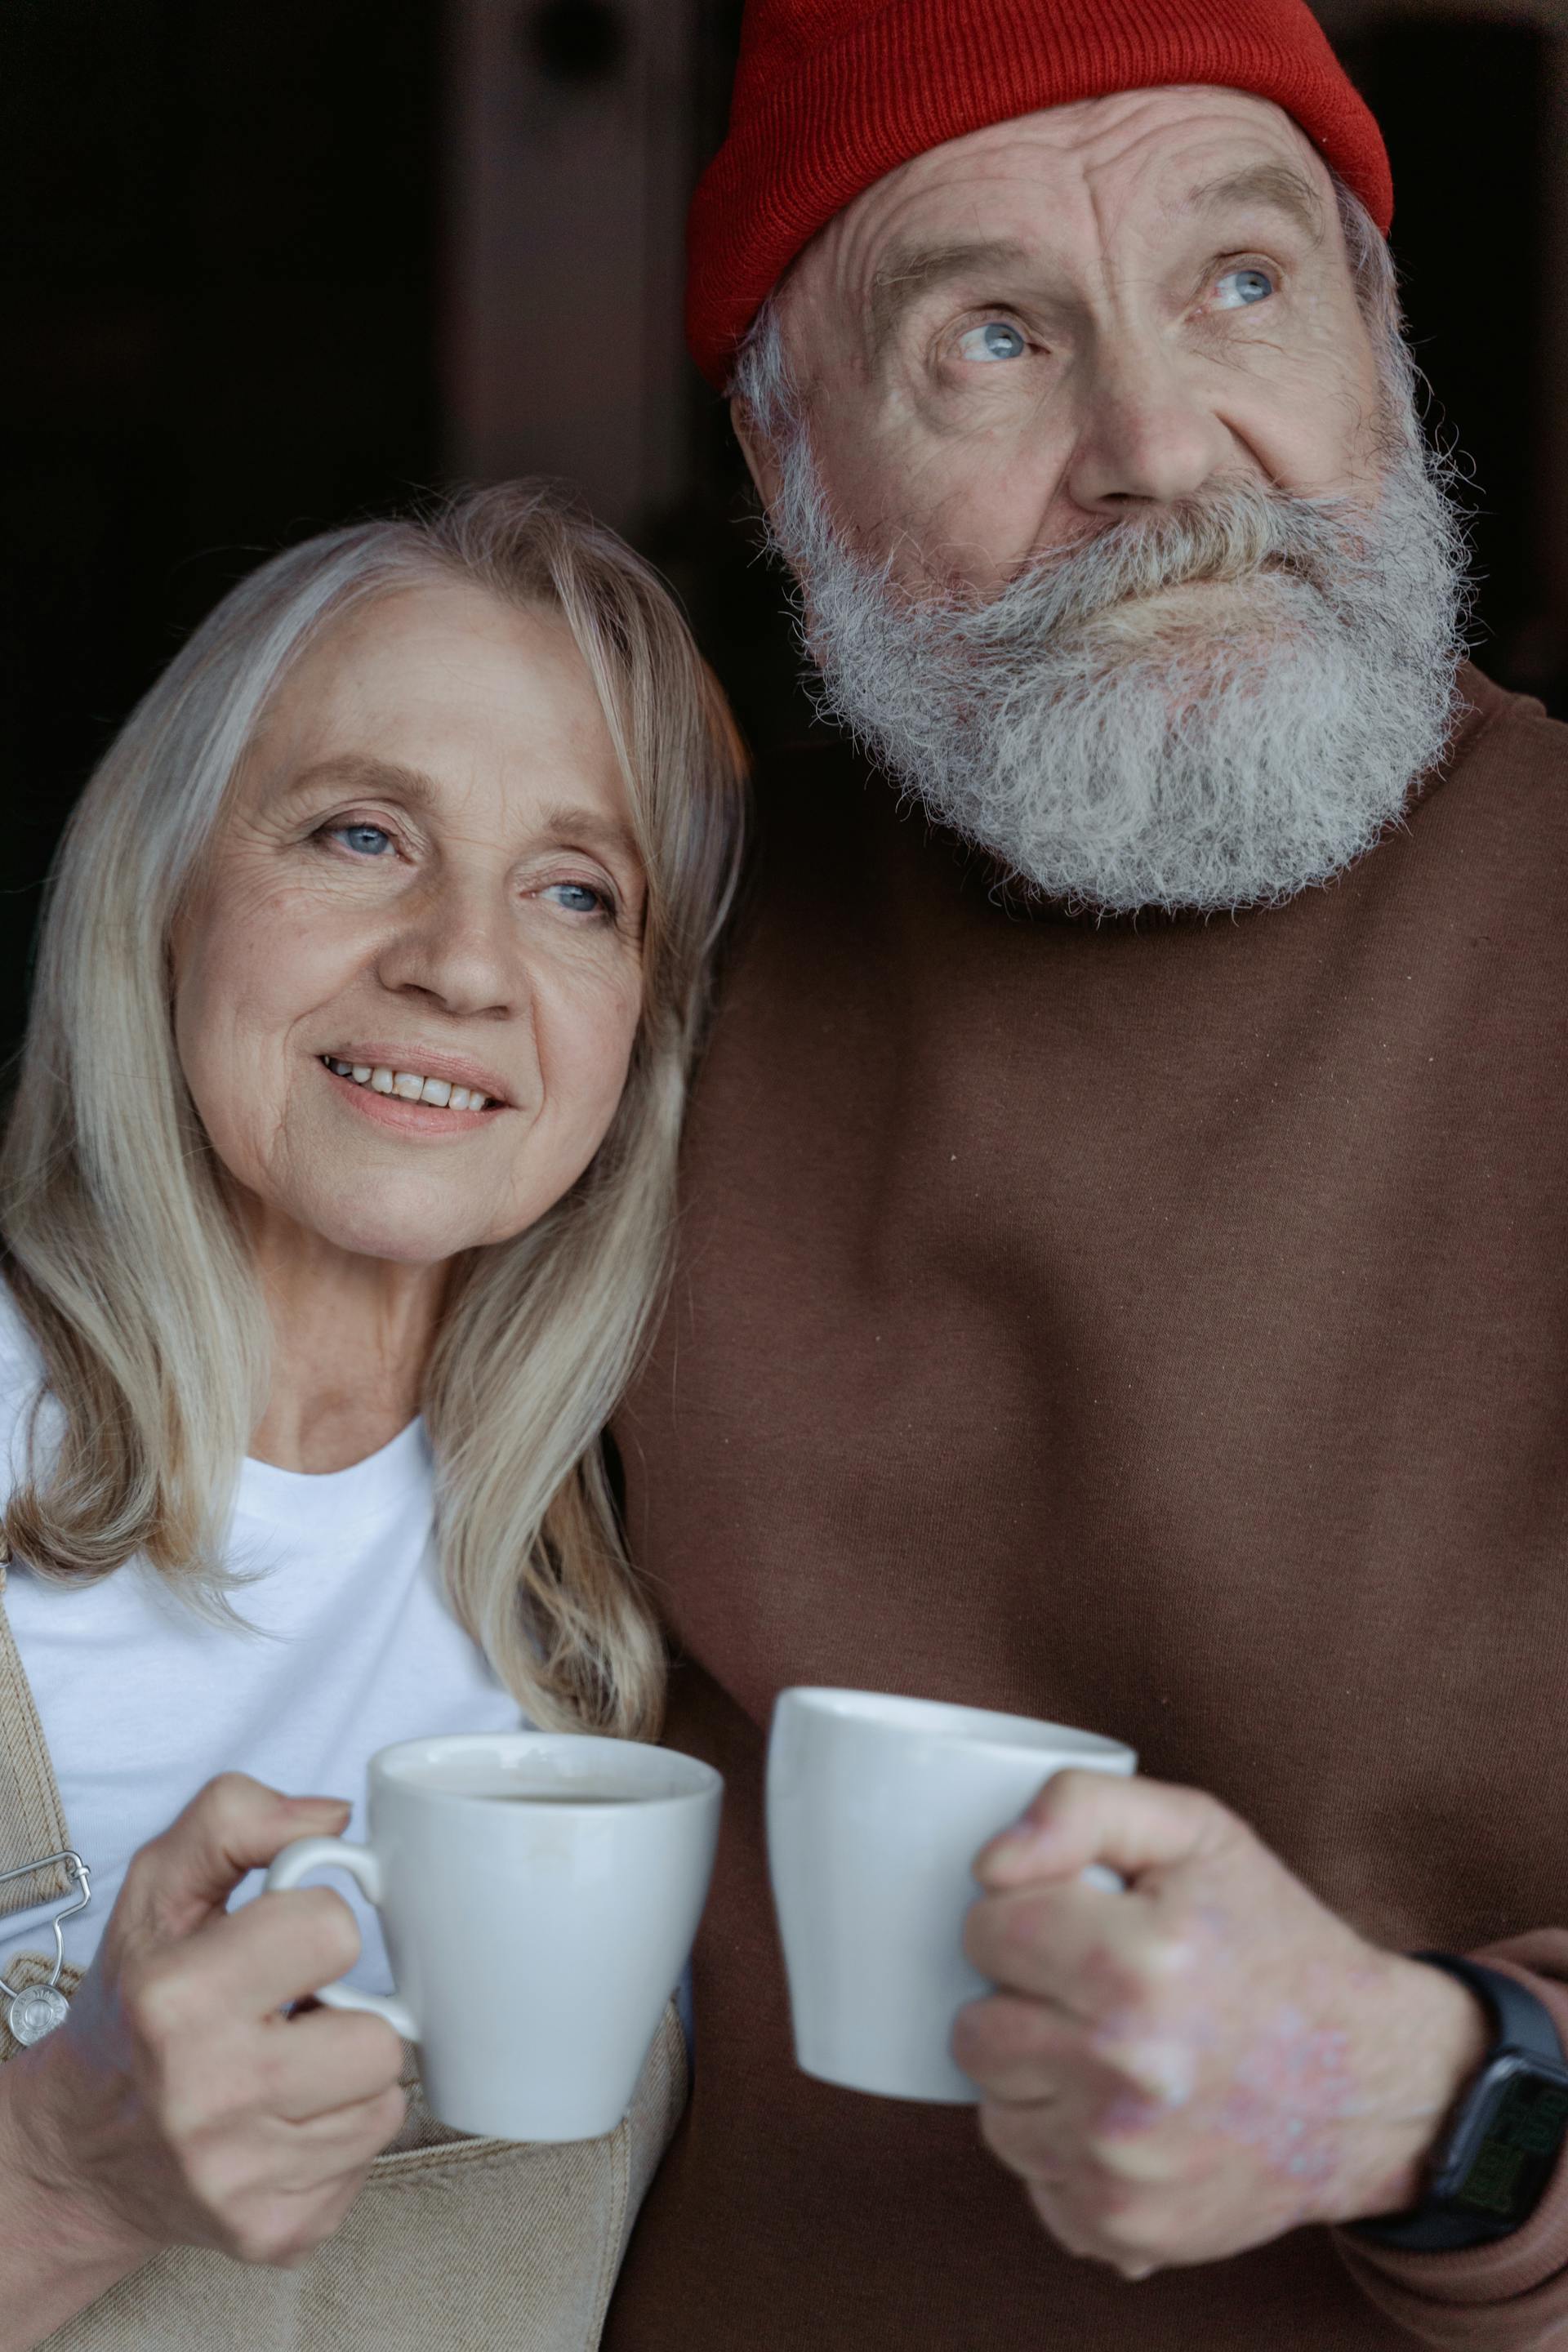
(336, 1854)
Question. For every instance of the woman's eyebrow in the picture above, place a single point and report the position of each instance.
(593, 831)
(563, 822)
(360, 772)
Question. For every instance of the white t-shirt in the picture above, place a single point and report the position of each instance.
(349, 1645)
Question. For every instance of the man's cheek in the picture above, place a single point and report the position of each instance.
(973, 514)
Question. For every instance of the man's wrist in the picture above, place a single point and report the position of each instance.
(1438, 2036)
(1501, 2144)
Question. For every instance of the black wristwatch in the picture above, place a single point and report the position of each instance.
(1489, 2171)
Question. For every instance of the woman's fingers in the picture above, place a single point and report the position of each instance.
(275, 2194)
(247, 1963)
(181, 1880)
(297, 2225)
(188, 2108)
(333, 2060)
(325, 2145)
(303, 2159)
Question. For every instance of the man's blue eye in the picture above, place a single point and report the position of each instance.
(365, 840)
(1248, 286)
(995, 340)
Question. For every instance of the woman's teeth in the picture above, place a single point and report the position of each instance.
(410, 1086)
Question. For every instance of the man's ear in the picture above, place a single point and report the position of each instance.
(757, 451)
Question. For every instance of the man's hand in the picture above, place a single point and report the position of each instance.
(1206, 2059)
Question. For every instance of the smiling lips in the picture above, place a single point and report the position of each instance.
(407, 1086)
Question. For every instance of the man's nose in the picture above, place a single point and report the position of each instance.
(1149, 436)
(459, 945)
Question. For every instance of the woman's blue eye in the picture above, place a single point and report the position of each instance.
(1249, 285)
(364, 840)
(581, 897)
(995, 340)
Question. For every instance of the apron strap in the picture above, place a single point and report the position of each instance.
(32, 1818)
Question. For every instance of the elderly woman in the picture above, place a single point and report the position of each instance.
(336, 1195)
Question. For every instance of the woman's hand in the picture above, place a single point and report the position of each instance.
(177, 2105)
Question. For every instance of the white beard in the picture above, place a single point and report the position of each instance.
(1229, 745)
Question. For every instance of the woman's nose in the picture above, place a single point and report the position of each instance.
(1149, 436)
(460, 946)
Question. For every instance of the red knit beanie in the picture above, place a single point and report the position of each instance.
(832, 94)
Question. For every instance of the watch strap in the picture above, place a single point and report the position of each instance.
(1520, 2024)
(1519, 2020)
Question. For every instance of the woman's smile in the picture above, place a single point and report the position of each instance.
(410, 1103)
(420, 1069)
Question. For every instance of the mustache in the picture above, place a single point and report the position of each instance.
(1232, 533)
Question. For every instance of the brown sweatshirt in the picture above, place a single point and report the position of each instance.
(1161, 1328)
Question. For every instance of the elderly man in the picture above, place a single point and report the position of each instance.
(1125, 1270)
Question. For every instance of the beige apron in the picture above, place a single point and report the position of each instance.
(458, 2242)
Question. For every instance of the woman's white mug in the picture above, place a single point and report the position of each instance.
(877, 1808)
(539, 1893)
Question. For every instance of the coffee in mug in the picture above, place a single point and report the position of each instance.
(558, 1796)
(877, 1808)
(540, 1893)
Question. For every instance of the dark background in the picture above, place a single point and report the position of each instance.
(228, 245)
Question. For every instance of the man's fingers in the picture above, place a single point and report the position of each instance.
(1016, 2050)
(235, 1824)
(1024, 2054)
(1079, 1818)
(1031, 2138)
(1081, 1948)
(331, 2060)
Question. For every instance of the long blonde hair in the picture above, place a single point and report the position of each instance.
(127, 1263)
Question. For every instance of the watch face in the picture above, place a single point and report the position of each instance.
(1521, 2138)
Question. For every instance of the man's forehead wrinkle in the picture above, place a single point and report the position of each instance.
(1127, 139)
(1276, 184)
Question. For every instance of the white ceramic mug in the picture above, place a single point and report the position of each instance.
(540, 1893)
(877, 1808)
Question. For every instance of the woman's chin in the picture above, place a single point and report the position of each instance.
(393, 1234)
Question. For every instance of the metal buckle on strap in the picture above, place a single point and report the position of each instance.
(32, 2011)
